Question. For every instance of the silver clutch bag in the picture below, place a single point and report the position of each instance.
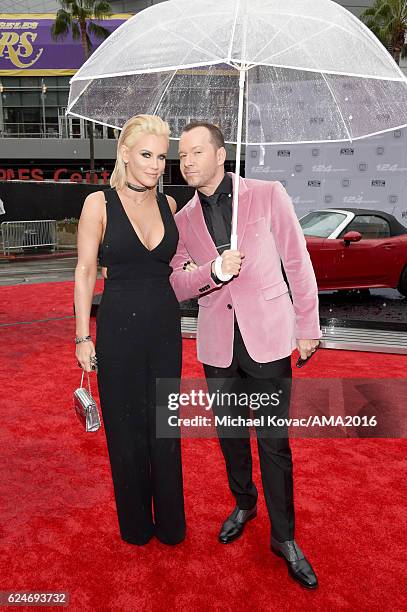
(85, 407)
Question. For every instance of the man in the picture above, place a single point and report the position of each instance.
(247, 326)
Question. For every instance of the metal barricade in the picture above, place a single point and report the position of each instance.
(20, 235)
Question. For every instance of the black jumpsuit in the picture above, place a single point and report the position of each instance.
(138, 340)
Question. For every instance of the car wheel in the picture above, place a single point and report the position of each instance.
(402, 286)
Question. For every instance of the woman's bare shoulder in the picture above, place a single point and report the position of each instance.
(94, 204)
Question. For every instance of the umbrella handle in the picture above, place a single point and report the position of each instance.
(233, 238)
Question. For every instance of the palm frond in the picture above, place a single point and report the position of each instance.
(76, 16)
(76, 31)
(89, 45)
(98, 31)
(66, 4)
(102, 9)
(62, 24)
(368, 12)
(89, 5)
(386, 19)
(79, 10)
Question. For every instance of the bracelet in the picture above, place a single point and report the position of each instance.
(78, 339)
(218, 270)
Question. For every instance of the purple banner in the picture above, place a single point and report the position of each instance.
(27, 47)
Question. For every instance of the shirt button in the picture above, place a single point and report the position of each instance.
(230, 306)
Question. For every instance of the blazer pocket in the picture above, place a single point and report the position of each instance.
(274, 290)
(205, 300)
(261, 221)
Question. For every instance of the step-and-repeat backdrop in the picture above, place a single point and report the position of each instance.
(367, 173)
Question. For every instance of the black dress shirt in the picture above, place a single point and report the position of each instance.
(217, 212)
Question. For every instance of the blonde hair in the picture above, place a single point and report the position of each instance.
(139, 124)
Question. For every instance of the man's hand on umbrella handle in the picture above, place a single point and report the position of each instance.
(231, 262)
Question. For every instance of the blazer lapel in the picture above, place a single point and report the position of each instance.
(245, 199)
(198, 226)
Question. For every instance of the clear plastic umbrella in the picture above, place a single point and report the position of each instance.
(265, 71)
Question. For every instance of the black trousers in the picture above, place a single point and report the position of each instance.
(138, 341)
(245, 377)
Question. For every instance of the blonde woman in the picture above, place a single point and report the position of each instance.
(138, 329)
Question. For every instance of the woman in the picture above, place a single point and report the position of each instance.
(138, 329)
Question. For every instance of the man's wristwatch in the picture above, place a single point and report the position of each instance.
(214, 277)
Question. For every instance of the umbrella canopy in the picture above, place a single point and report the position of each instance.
(302, 58)
(256, 68)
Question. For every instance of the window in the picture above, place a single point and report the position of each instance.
(11, 98)
(63, 97)
(30, 98)
(29, 81)
(63, 81)
(370, 226)
(50, 81)
(321, 223)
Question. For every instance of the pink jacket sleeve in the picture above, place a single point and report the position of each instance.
(187, 285)
(292, 248)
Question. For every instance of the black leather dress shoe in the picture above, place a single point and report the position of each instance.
(233, 527)
(299, 567)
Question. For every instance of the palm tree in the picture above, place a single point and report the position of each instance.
(78, 17)
(388, 20)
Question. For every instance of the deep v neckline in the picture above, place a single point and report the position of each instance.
(134, 229)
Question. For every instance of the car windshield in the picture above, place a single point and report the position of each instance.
(321, 223)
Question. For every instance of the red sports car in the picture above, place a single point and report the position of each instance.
(356, 248)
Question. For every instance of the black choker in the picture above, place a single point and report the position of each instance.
(136, 187)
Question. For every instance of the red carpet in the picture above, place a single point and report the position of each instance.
(58, 521)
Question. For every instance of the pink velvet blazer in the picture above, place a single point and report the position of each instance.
(268, 233)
